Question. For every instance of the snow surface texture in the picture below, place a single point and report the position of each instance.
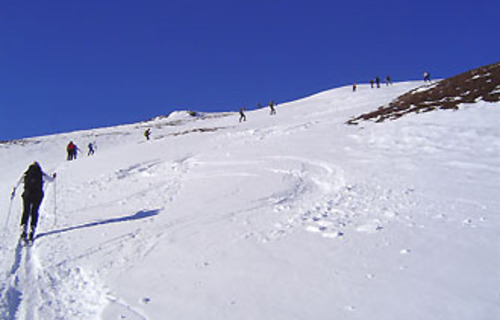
(291, 216)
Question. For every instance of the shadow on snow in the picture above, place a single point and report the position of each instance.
(139, 215)
(12, 296)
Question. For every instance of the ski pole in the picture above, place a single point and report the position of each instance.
(8, 216)
(55, 202)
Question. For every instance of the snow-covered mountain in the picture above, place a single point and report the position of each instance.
(291, 216)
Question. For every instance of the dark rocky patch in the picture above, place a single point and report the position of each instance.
(196, 130)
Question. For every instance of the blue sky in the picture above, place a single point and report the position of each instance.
(70, 65)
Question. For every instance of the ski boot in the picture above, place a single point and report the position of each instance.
(31, 237)
(24, 234)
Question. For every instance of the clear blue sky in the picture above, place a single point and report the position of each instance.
(68, 64)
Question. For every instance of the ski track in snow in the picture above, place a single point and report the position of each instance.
(34, 291)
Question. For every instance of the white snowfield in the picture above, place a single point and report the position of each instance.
(291, 216)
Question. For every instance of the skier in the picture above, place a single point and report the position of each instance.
(388, 81)
(377, 80)
(71, 149)
(354, 87)
(371, 83)
(33, 180)
(147, 133)
(242, 114)
(272, 106)
(91, 149)
(427, 77)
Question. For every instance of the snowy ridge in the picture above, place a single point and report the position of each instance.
(292, 216)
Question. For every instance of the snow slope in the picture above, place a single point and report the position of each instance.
(292, 216)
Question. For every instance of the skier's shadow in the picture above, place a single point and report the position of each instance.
(137, 216)
(17, 258)
(11, 293)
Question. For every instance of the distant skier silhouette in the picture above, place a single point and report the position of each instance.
(388, 81)
(427, 77)
(243, 117)
(91, 149)
(273, 108)
(147, 133)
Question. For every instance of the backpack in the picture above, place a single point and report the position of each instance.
(33, 178)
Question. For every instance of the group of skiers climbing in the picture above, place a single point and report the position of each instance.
(272, 105)
(376, 81)
(33, 179)
(243, 117)
(388, 81)
(72, 150)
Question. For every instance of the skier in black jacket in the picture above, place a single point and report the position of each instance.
(33, 180)
(243, 117)
(147, 133)
(272, 105)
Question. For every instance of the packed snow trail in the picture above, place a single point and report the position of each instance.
(35, 291)
(292, 216)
